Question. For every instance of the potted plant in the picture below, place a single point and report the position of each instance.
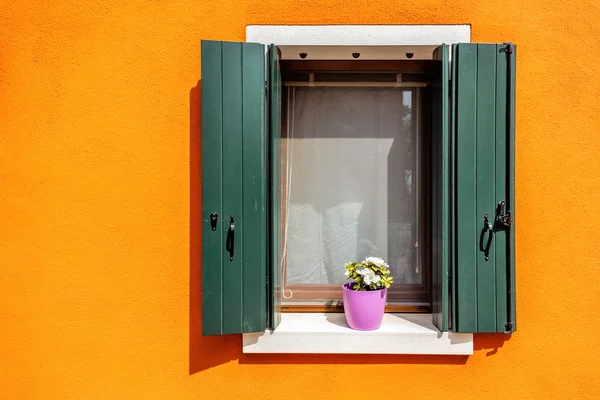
(364, 298)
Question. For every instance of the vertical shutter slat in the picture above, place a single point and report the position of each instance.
(501, 173)
(452, 195)
(232, 185)
(486, 167)
(510, 201)
(440, 189)
(254, 229)
(212, 244)
(467, 223)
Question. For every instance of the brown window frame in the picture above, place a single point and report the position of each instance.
(418, 295)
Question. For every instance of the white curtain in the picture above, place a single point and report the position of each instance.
(350, 182)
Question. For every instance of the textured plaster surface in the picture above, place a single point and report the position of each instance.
(100, 204)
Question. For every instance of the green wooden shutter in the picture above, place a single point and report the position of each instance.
(483, 157)
(440, 191)
(275, 272)
(234, 190)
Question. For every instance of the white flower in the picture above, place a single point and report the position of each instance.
(347, 273)
(375, 260)
(369, 276)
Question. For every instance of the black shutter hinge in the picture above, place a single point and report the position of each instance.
(503, 218)
(502, 222)
(267, 314)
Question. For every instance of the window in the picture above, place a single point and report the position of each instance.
(453, 196)
(352, 154)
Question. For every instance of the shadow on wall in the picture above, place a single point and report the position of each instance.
(491, 341)
(205, 351)
(210, 351)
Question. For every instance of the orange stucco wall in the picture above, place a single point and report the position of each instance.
(100, 200)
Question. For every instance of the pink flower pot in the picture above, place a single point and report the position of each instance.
(364, 310)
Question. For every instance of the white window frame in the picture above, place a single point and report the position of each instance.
(358, 35)
(327, 332)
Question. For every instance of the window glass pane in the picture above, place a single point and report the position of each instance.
(350, 179)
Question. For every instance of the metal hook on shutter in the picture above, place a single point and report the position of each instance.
(229, 242)
(214, 217)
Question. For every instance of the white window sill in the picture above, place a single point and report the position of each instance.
(325, 333)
